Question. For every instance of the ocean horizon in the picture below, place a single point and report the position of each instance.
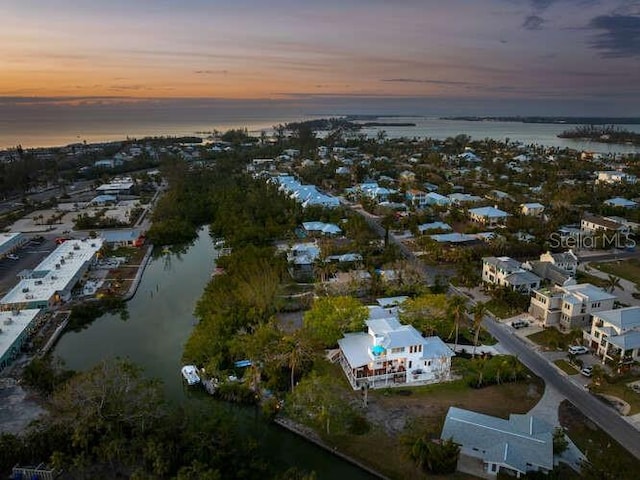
(49, 122)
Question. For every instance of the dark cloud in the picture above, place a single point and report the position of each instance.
(211, 72)
(533, 22)
(540, 5)
(619, 35)
(418, 80)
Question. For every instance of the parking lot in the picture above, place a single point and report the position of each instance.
(29, 256)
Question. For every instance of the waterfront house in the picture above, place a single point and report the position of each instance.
(521, 444)
(615, 334)
(391, 354)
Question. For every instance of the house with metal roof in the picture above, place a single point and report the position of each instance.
(615, 334)
(619, 202)
(507, 272)
(321, 228)
(488, 216)
(521, 444)
(391, 354)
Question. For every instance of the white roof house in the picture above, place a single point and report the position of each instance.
(52, 280)
(306, 195)
(490, 216)
(533, 209)
(321, 227)
(520, 444)
(9, 242)
(116, 186)
(391, 354)
(428, 227)
(15, 327)
(620, 202)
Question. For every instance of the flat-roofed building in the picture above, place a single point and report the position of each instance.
(15, 328)
(10, 242)
(51, 281)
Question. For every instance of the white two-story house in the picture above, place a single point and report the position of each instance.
(615, 334)
(567, 261)
(507, 272)
(391, 354)
(570, 306)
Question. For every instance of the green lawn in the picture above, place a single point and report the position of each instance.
(628, 269)
(582, 277)
(502, 309)
(553, 339)
(566, 367)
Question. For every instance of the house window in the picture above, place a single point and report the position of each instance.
(410, 363)
(494, 467)
(419, 348)
(397, 350)
(596, 334)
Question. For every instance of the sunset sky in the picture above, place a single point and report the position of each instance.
(284, 49)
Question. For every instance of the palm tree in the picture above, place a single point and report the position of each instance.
(457, 311)
(479, 311)
(296, 349)
(612, 282)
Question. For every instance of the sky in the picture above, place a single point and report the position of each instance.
(562, 52)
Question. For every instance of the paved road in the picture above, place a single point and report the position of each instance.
(428, 273)
(602, 415)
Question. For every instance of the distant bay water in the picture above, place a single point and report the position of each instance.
(42, 123)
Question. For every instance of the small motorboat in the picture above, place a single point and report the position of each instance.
(190, 374)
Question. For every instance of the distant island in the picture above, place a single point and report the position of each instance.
(349, 123)
(602, 134)
(553, 120)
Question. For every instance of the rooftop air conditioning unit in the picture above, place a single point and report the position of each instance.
(53, 277)
(38, 282)
(8, 321)
(76, 247)
(25, 289)
(57, 266)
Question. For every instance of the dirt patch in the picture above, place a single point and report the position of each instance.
(391, 410)
(17, 408)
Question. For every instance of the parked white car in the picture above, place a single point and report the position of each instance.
(578, 350)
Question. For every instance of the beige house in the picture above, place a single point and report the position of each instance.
(532, 209)
(507, 272)
(570, 306)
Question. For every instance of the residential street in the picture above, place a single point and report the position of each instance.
(602, 415)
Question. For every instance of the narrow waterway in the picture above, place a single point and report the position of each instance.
(153, 336)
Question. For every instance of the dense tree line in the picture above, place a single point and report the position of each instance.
(110, 422)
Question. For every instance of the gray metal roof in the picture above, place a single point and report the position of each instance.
(626, 341)
(622, 318)
(522, 443)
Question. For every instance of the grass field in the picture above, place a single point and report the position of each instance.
(582, 277)
(628, 269)
(553, 339)
(608, 457)
(566, 367)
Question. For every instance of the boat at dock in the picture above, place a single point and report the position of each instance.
(190, 374)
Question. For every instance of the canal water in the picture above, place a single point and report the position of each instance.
(153, 336)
